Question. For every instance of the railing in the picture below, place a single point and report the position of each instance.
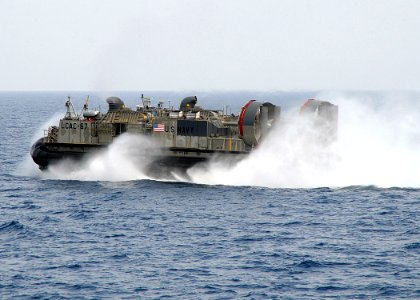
(51, 133)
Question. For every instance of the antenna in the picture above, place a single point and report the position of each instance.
(145, 101)
(70, 114)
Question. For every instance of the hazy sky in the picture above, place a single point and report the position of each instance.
(209, 45)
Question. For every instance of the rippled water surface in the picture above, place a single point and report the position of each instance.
(67, 239)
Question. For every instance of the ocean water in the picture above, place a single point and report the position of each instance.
(292, 221)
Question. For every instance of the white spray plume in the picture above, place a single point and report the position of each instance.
(125, 159)
(378, 144)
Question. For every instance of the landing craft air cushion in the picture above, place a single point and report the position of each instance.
(180, 138)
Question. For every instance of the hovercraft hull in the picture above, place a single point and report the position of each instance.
(45, 155)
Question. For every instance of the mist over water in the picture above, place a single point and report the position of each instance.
(125, 159)
(378, 144)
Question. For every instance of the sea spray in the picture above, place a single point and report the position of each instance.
(378, 143)
(288, 155)
(127, 158)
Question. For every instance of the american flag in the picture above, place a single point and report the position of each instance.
(159, 127)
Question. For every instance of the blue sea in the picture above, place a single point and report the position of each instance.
(341, 227)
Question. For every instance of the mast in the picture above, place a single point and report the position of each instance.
(70, 114)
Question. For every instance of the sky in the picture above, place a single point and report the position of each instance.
(209, 45)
